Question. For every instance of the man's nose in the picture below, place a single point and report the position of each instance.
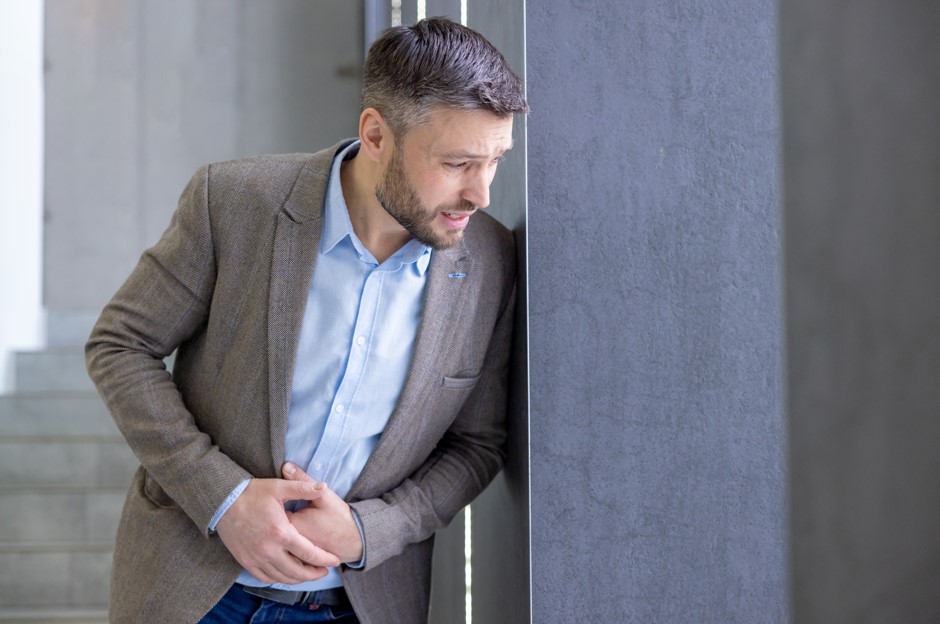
(477, 190)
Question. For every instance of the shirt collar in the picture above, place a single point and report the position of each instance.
(337, 225)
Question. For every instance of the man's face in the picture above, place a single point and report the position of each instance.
(440, 173)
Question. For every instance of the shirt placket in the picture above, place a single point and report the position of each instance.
(341, 415)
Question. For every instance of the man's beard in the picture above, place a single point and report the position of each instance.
(399, 199)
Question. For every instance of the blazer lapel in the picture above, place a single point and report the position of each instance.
(295, 250)
(448, 287)
(296, 243)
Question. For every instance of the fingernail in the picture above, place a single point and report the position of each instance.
(289, 469)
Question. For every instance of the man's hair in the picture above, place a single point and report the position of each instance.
(437, 62)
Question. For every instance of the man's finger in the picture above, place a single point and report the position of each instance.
(303, 490)
(312, 555)
(261, 575)
(309, 553)
(292, 472)
(290, 570)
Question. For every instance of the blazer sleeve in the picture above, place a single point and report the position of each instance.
(467, 458)
(164, 302)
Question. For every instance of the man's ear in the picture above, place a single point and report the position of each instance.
(375, 136)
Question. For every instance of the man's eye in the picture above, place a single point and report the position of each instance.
(455, 165)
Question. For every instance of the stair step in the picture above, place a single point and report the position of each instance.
(59, 414)
(69, 329)
(59, 514)
(53, 616)
(59, 576)
(57, 547)
(50, 370)
(90, 462)
(60, 369)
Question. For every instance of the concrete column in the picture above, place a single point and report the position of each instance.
(861, 91)
(657, 431)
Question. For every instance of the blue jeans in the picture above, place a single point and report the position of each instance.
(239, 607)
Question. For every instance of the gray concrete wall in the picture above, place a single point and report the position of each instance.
(657, 432)
(861, 94)
(140, 92)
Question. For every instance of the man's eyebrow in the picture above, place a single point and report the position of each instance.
(473, 155)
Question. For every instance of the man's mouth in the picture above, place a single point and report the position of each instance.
(456, 219)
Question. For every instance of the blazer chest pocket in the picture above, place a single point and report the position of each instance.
(460, 382)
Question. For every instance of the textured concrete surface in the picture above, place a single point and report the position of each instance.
(657, 432)
(861, 91)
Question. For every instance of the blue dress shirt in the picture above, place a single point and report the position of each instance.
(354, 352)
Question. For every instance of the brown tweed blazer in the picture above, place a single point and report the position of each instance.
(226, 287)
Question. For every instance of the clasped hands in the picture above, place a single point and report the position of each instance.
(279, 546)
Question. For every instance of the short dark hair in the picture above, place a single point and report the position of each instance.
(410, 69)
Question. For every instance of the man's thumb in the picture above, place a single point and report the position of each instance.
(293, 473)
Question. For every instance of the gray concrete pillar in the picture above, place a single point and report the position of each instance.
(657, 430)
(861, 94)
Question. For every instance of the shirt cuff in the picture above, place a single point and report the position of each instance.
(228, 502)
(362, 562)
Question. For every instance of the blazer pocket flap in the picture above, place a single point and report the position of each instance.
(460, 382)
(155, 494)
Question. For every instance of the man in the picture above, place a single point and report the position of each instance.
(342, 325)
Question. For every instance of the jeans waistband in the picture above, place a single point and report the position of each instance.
(335, 597)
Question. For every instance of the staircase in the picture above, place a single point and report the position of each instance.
(64, 471)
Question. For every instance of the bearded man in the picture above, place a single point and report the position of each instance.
(342, 324)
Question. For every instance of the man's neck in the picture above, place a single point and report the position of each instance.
(378, 231)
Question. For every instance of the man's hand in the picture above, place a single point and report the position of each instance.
(328, 520)
(257, 532)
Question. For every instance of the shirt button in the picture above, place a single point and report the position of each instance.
(340, 408)
(360, 341)
(318, 466)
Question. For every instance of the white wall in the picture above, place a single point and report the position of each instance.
(21, 105)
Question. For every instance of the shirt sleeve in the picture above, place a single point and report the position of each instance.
(362, 562)
(228, 502)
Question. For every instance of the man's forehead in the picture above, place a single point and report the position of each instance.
(468, 153)
(441, 114)
(465, 133)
